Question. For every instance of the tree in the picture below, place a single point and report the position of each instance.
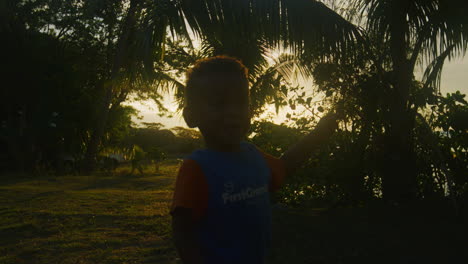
(411, 32)
(54, 55)
(187, 140)
(448, 145)
(43, 113)
(151, 136)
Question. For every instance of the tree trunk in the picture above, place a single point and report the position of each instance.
(98, 132)
(99, 128)
(399, 179)
(357, 172)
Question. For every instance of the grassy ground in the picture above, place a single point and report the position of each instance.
(124, 219)
(88, 219)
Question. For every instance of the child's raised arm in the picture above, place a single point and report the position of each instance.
(296, 155)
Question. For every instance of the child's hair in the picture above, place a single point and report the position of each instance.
(217, 64)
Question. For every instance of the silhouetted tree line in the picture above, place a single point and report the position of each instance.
(176, 142)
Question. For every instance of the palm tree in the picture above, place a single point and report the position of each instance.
(425, 32)
(308, 27)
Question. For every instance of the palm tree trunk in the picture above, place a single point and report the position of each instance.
(399, 179)
(357, 172)
(122, 45)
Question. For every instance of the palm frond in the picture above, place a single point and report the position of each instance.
(269, 86)
(305, 26)
(434, 29)
(292, 67)
(433, 73)
(165, 83)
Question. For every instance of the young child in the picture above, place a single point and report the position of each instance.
(221, 208)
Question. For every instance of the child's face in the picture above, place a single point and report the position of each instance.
(222, 113)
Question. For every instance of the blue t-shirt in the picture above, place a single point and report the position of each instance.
(237, 225)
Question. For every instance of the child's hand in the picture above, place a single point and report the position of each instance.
(327, 124)
(297, 154)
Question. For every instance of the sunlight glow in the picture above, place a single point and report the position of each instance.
(454, 78)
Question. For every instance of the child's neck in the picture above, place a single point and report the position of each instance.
(235, 147)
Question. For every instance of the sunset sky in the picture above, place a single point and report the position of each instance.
(454, 77)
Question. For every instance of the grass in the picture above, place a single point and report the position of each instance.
(88, 219)
(122, 218)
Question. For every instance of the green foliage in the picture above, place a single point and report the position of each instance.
(119, 125)
(273, 139)
(47, 111)
(157, 154)
(51, 113)
(350, 170)
(447, 146)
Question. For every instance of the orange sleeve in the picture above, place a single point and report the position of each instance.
(278, 171)
(191, 189)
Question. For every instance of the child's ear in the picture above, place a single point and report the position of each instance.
(189, 117)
